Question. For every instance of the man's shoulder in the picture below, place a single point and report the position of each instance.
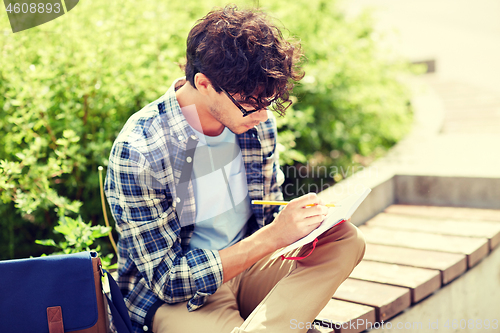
(145, 132)
(149, 123)
(155, 120)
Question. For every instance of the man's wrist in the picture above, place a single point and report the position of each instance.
(240, 256)
(265, 238)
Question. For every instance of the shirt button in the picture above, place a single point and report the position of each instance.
(145, 328)
(189, 159)
(193, 137)
(178, 199)
(180, 138)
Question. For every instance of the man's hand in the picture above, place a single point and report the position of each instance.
(298, 219)
(292, 223)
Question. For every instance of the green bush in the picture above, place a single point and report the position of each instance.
(78, 237)
(70, 85)
(350, 103)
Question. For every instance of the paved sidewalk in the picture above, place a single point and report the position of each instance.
(457, 129)
(450, 138)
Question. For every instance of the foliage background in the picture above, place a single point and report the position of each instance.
(68, 86)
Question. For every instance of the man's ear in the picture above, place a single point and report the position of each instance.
(202, 84)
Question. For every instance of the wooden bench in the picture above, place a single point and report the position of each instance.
(412, 251)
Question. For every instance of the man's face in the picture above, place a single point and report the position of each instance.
(228, 114)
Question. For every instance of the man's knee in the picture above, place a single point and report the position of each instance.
(354, 243)
(347, 241)
(359, 244)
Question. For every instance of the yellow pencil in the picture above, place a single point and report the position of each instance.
(280, 203)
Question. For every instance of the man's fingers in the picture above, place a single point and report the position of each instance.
(316, 210)
(314, 221)
(308, 199)
(306, 212)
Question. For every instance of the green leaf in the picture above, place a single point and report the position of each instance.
(46, 242)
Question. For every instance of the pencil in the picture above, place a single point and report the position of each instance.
(281, 203)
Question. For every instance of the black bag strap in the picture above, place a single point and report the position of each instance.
(121, 318)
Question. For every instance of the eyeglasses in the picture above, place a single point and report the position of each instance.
(242, 109)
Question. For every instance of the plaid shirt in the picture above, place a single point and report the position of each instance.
(152, 201)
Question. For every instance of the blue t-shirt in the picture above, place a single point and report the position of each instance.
(221, 192)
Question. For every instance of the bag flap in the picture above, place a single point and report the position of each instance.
(29, 286)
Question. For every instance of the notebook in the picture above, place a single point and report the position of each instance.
(342, 211)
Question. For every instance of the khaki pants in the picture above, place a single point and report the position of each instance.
(273, 295)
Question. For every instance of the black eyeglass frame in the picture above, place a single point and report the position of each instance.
(238, 105)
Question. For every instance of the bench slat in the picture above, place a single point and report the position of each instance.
(474, 248)
(343, 313)
(422, 282)
(446, 212)
(387, 300)
(451, 265)
(456, 227)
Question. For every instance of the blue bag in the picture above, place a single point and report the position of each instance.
(57, 294)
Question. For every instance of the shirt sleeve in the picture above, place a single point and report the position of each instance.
(141, 204)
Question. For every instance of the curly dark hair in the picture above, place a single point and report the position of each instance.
(244, 53)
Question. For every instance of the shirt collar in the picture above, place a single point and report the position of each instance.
(180, 130)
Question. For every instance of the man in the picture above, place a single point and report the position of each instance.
(194, 254)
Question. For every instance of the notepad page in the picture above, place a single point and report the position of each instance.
(343, 210)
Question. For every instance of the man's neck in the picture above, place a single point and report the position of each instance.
(195, 110)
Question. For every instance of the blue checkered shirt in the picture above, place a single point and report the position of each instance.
(152, 202)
